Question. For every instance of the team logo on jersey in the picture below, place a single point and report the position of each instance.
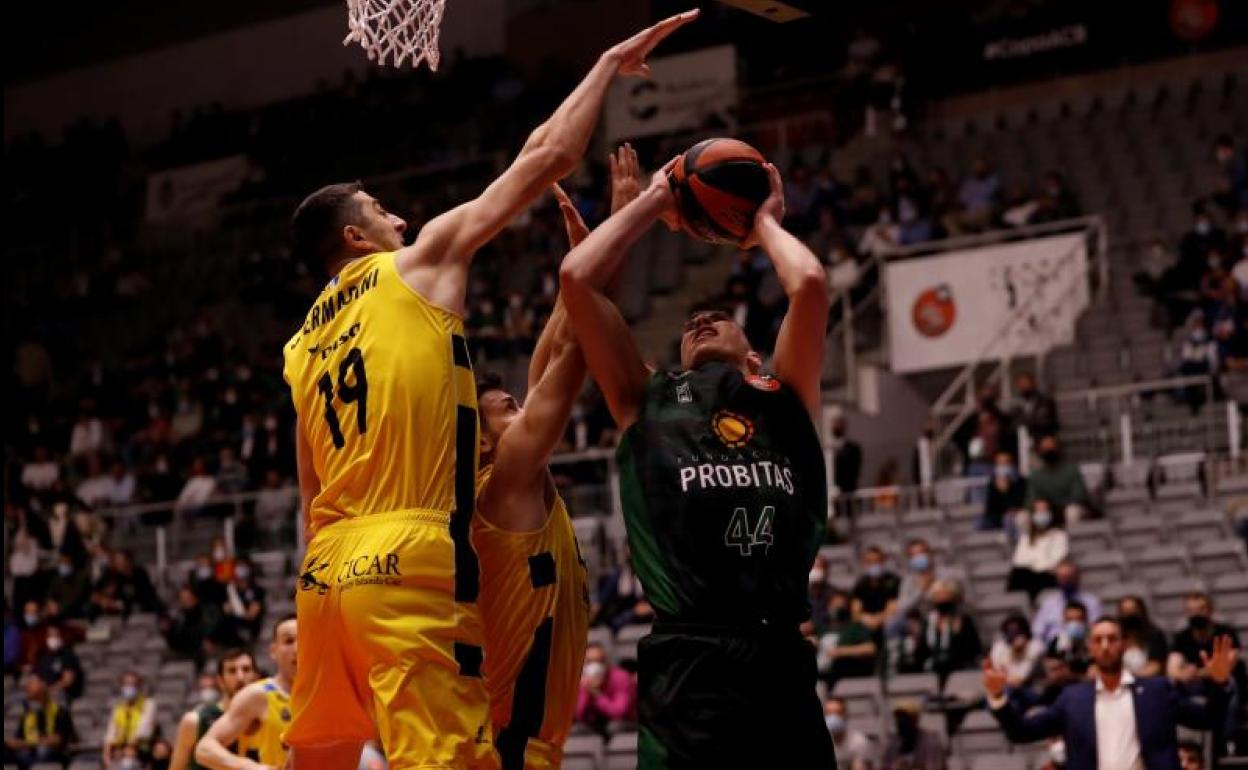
(763, 382)
(732, 429)
(684, 393)
(308, 581)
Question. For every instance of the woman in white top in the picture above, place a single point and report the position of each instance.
(1040, 549)
(1016, 652)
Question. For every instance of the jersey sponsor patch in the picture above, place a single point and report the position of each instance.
(732, 429)
(684, 394)
(762, 382)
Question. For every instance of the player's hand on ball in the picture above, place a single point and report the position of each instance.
(576, 227)
(625, 177)
(772, 210)
(994, 679)
(661, 185)
(631, 54)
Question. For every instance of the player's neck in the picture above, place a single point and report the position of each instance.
(283, 681)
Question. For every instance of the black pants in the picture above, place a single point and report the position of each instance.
(725, 700)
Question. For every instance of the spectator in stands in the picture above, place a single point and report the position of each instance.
(846, 647)
(45, 728)
(620, 599)
(608, 693)
(1034, 410)
(1232, 191)
(882, 236)
(23, 562)
(41, 472)
(64, 534)
(1133, 720)
(951, 635)
(875, 592)
(819, 589)
(70, 587)
(126, 587)
(1145, 648)
(59, 667)
(1194, 250)
(1060, 482)
(222, 560)
(1055, 202)
(203, 579)
(231, 472)
(33, 634)
(911, 747)
(1191, 756)
(1005, 498)
(1017, 652)
(921, 573)
(1072, 641)
(1197, 639)
(1041, 547)
(978, 198)
(133, 720)
(1050, 612)
(195, 628)
(1197, 356)
(987, 431)
(199, 487)
(846, 454)
(853, 749)
(161, 755)
(908, 652)
(245, 601)
(1057, 676)
(88, 435)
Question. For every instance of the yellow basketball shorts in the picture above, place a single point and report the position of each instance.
(385, 650)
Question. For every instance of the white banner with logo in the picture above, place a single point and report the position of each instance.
(688, 91)
(193, 192)
(1018, 298)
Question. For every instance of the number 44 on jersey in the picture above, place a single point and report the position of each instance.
(744, 537)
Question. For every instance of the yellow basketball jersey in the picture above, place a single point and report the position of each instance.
(264, 745)
(535, 608)
(382, 385)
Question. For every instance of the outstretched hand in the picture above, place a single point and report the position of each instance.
(625, 177)
(771, 210)
(994, 679)
(1218, 664)
(661, 184)
(572, 222)
(631, 54)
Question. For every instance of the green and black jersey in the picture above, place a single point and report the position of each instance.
(206, 714)
(725, 498)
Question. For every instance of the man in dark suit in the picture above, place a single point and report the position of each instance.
(1115, 721)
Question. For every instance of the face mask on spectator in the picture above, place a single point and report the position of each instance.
(1215, 263)
(1134, 659)
(55, 643)
(875, 570)
(835, 723)
(841, 614)
(1199, 623)
(595, 670)
(946, 607)
(129, 692)
(203, 573)
(1069, 590)
(1004, 471)
(270, 423)
(242, 572)
(65, 570)
(31, 618)
(920, 562)
(1057, 753)
(129, 763)
(1050, 456)
(1076, 630)
(1198, 335)
(1042, 519)
(817, 575)
(209, 695)
(1132, 624)
(1203, 227)
(218, 554)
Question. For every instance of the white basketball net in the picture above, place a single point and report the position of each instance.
(393, 31)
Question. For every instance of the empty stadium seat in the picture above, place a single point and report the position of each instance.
(1219, 557)
(1195, 527)
(1102, 567)
(1136, 533)
(999, 762)
(1090, 536)
(622, 752)
(1230, 592)
(1160, 562)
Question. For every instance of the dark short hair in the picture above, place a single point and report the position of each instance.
(876, 550)
(487, 382)
(1224, 140)
(1075, 604)
(234, 653)
(317, 222)
(1112, 619)
(279, 622)
(1016, 619)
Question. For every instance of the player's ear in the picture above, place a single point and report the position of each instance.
(355, 238)
(754, 362)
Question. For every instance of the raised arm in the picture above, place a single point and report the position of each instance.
(1036, 726)
(798, 359)
(625, 187)
(609, 348)
(245, 708)
(436, 265)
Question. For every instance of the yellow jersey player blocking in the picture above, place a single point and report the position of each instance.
(258, 715)
(725, 503)
(534, 602)
(387, 452)
(235, 670)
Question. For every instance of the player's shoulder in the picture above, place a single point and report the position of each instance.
(189, 720)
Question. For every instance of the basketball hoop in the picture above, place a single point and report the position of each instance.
(393, 31)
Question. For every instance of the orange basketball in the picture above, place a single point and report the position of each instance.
(719, 185)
